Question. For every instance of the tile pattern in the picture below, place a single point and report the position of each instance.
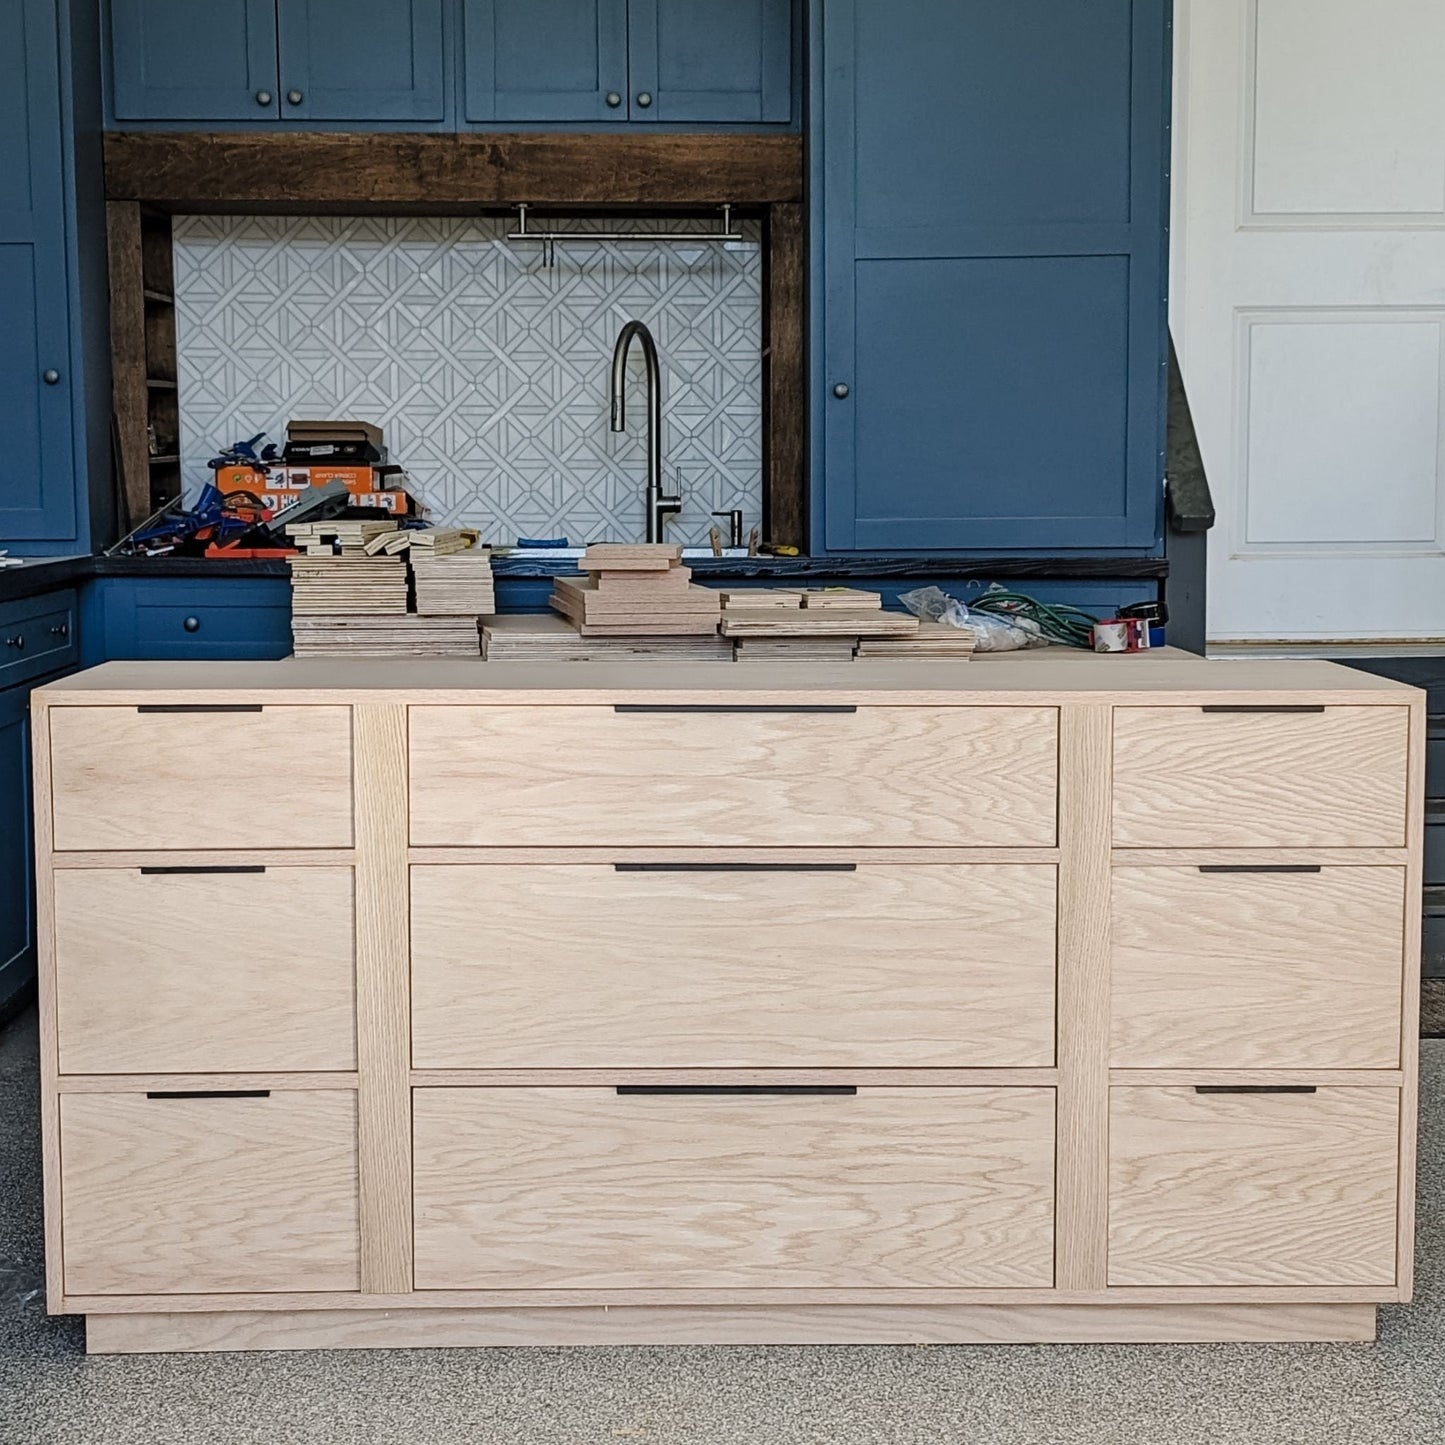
(488, 371)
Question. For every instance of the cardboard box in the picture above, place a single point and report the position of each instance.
(278, 487)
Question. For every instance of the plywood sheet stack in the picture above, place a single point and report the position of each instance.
(548, 638)
(347, 586)
(933, 639)
(809, 625)
(457, 584)
(348, 538)
(638, 590)
(407, 635)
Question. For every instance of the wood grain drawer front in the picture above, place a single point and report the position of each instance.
(874, 776)
(219, 1193)
(1257, 970)
(203, 971)
(1253, 1188)
(586, 1188)
(1192, 778)
(125, 777)
(586, 966)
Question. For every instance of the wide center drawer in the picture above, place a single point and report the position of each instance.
(1232, 776)
(594, 1188)
(197, 776)
(1257, 968)
(204, 970)
(187, 1194)
(733, 776)
(732, 965)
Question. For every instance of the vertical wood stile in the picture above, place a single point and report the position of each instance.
(46, 991)
(1085, 786)
(382, 1003)
(128, 354)
(1410, 982)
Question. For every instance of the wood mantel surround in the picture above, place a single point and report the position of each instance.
(181, 173)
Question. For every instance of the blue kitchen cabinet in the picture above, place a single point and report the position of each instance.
(990, 345)
(38, 642)
(179, 60)
(37, 493)
(359, 61)
(688, 62)
(544, 60)
(697, 61)
(181, 618)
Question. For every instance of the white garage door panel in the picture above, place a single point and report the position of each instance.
(1342, 431)
(1308, 307)
(1349, 107)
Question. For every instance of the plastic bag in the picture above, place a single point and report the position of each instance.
(991, 633)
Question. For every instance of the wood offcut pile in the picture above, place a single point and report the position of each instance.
(635, 591)
(349, 592)
(547, 638)
(814, 624)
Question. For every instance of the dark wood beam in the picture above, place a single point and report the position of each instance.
(128, 355)
(785, 382)
(398, 172)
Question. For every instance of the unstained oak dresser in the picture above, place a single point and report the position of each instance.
(1044, 997)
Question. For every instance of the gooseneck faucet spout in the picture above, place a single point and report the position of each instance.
(659, 506)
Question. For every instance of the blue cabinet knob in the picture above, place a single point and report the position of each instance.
(841, 390)
(192, 624)
(295, 97)
(263, 97)
(614, 98)
(50, 376)
(644, 99)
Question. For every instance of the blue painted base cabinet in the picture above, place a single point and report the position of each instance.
(989, 192)
(176, 618)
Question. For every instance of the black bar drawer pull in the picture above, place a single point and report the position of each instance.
(1284, 707)
(731, 707)
(1254, 1088)
(199, 707)
(1259, 867)
(740, 1090)
(176, 869)
(208, 1093)
(735, 867)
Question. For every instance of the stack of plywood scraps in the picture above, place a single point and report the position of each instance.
(347, 585)
(340, 537)
(808, 625)
(933, 639)
(406, 635)
(547, 638)
(454, 584)
(638, 590)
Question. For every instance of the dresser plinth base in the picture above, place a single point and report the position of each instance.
(434, 1328)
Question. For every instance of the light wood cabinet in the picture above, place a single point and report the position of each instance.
(1043, 997)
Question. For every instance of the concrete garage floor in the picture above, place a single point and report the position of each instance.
(1391, 1393)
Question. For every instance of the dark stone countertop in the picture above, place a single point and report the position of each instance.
(43, 574)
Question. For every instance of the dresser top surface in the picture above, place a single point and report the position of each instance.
(1009, 678)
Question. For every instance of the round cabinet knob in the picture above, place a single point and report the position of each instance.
(18, 643)
(644, 99)
(294, 97)
(614, 98)
(61, 630)
(50, 377)
(264, 97)
(192, 624)
(840, 390)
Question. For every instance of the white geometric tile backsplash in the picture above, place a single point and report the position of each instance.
(487, 370)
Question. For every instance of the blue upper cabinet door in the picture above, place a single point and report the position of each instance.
(181, 60)
(361, 60)
(545, 60)
(699, 61)
(992, 367)
(37, 492)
